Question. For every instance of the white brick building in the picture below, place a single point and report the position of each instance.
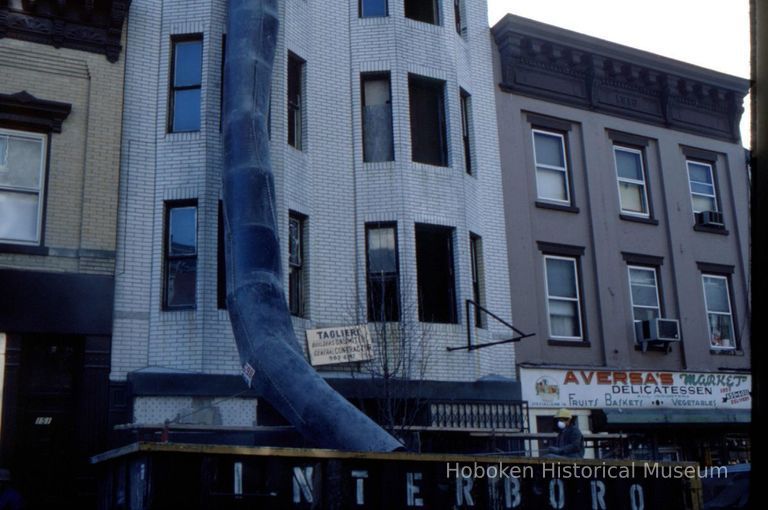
(181, 356)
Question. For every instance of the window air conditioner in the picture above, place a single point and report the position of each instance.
(710, 219)
(658, 330)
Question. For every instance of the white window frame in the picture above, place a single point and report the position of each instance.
(630, 268)
(635, 182)
(563, 169)
(704, 276)
(713, 196)
(577, 299)
(39, 191)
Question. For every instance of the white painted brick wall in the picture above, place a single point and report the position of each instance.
(327, 181)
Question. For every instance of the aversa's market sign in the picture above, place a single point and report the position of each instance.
(590, 389)
(339, 345)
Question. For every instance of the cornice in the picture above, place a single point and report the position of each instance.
(553, 64)
(88, 25)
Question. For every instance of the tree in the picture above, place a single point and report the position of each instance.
(401, 356)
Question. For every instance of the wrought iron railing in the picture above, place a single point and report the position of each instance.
(486, 416)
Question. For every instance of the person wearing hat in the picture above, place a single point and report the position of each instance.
(10, 499)
(569, 442)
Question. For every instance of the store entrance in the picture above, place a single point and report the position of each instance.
(49, 393)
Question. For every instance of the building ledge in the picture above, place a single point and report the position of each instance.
(90, 26)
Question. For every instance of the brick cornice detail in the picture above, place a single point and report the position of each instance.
(77, 24)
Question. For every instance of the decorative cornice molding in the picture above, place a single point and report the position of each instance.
(597, 75)
(25, 110)
(84, 25)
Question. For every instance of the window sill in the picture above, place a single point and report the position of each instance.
(178, 311)
(23, 249)
(556, 207)
(435, 28)
(569, 343)
(379, 165)
(178, 136)
(373, 20)
(639, 219)
(726, 352)
(711, 230)
(425, 164)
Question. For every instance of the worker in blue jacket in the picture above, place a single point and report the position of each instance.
(569, 442)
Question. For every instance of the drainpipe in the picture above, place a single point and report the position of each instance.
(272, 359)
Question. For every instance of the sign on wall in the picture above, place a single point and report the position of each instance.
(590, 389)
(347, 344)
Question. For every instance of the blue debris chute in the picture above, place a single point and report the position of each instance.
(269, 351)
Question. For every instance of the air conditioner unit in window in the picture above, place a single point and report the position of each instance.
(710, 219)
(655, 331)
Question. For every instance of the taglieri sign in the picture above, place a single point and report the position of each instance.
(635, 389)
(345, 344)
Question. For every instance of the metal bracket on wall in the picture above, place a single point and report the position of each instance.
(480, 309)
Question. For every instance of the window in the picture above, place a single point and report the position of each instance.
(458, 15)
(22, 179)
(382, 270)
(476, 256)
(221, 265)
(630, 173)
(378, 144)
(180, 254)
(295, 97)
(435, 276)
(373, 8)
(423, 10)
(644, 293)
(702, 184)
(296, 260)
(465, 136)
(563, 302)
(719, 314)
(186, 83)
(427, 104)
(551, 166)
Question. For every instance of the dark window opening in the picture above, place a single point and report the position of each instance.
(382, 271)
(435, 275)
(478, 270)
(296, 260)
(458, 14)
(186, 84)
(378, 144)
(180, 255)
(295, 95)
(465, 135)
(428, 130)
(373, 8)
(221, 263)
(423, 10)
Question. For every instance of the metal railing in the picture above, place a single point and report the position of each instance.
(474, 416)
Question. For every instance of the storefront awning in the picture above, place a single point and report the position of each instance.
(675, 416)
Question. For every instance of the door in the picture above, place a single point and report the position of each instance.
(46, 456)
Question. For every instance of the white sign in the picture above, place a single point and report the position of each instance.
(636, 389)
(347, 344)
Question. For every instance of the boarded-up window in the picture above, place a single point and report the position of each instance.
(377, 118)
